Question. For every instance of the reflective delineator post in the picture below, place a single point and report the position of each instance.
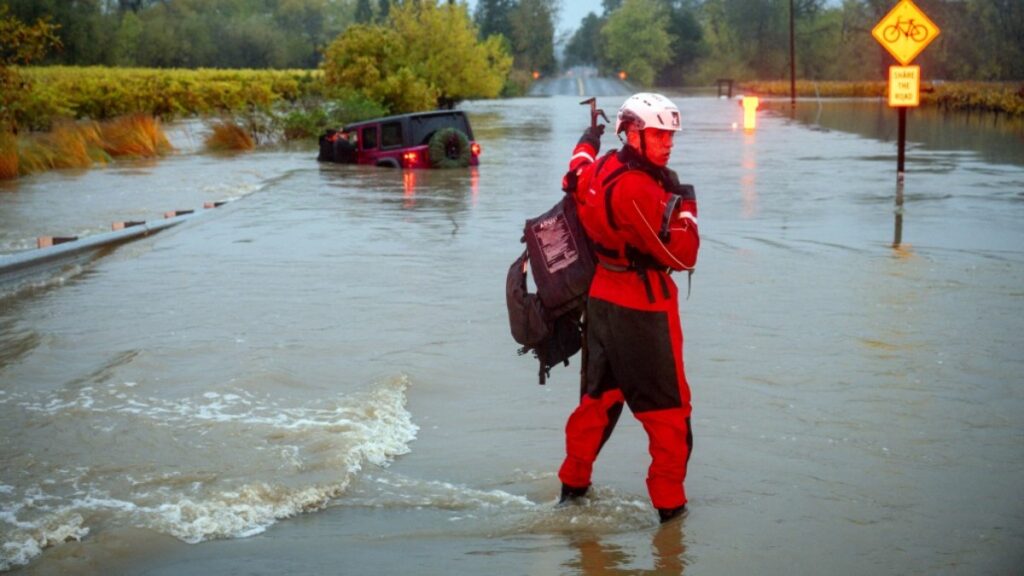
(750, 104)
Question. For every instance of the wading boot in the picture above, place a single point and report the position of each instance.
(571, 495)
(669, 514)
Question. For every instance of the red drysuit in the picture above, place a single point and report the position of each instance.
(634, 350)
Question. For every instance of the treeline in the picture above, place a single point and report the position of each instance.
(189, 33)
(281, 34)
(420, 55)
(527, 27)
(693, 42)
(664, 42)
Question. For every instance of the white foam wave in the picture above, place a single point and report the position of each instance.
(233, 191)
(605, 511)
(373, 427)
(445, 495)
(22, 545)
(237, 514)
(383, 405)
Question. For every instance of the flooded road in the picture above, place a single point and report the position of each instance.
(319, 375)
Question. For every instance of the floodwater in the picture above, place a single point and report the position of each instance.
(318, 376)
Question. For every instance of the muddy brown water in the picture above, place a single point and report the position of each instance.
(319, 376)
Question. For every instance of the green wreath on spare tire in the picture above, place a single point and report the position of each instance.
(448, 148)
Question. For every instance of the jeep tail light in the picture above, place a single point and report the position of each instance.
(475, 149)
(411, 159)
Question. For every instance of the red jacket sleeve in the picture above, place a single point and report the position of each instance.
(657, 222)
(583, 155)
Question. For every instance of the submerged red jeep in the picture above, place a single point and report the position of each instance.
(439, 139)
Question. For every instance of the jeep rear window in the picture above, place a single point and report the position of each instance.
(391, 135)
(369, 137)
(423, 127)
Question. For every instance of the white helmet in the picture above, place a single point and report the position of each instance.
(648, 110)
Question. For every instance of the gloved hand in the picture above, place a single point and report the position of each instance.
(686, 192)
(592, 136)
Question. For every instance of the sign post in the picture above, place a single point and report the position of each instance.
(905, 31)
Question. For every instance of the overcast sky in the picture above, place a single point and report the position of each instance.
(572, 12)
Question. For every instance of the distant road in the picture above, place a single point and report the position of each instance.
(580, 85)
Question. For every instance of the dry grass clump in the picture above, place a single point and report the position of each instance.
(81, 145)
(8, 155)
(35, 155)
(229, 136)
(138, 135)
(71, 145)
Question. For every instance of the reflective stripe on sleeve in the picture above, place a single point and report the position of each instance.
(584, 155)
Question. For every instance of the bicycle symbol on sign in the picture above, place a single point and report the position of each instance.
(916, 32)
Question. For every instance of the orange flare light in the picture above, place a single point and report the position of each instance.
(750, 104)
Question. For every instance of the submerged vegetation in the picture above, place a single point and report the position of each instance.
(268, 105)
(99, 93)
(128, 104)
(228, 136)
(81, 145)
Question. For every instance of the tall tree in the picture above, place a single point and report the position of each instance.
(532, 35)
(427, 56)
(637, 39)
(610, 6)
(687, 43)
(492, 17)
(443, 46)
(20, 44)
(584, 47)
(364, 13)
(126, 40)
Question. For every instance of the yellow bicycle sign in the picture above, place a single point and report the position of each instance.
(907, 28)
(905, 31)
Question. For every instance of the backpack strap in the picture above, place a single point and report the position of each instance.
(609, 184)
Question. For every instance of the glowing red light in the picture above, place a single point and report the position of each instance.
(475, 149)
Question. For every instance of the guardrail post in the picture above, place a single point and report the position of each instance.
(48, 241)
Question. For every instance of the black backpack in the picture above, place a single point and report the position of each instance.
(561, 257)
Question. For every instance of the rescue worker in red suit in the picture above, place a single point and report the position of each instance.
(643, 223)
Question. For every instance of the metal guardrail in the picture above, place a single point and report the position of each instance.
(56, 256)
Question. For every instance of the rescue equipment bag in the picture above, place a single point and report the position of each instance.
(549, 323)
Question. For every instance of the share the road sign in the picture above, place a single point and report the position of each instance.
(904, 86)
(905, 31)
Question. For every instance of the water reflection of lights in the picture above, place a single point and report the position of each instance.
(474, 183)
(411, 179)
(748, 178)
(409, 188)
